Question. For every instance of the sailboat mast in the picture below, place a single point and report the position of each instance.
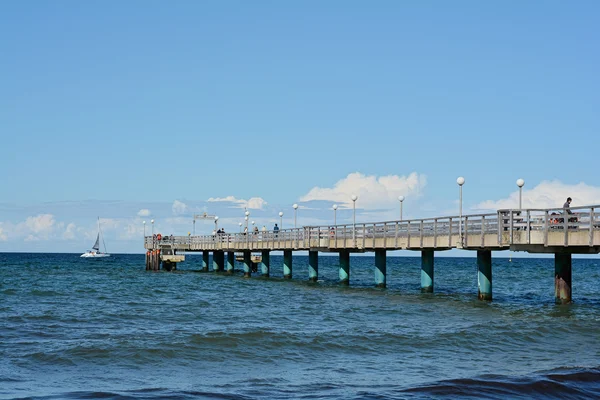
(101, 235)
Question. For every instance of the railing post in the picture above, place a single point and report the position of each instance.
(511, 226)
(500, 223)
(483, 231)
(566, 227)
(385, 235)
(528, 227)
(591, 226)
(546, 228)
(374, 227)
(408, 234)
(435, 233)
(396, 236)
(465, 232)
(364, 234)
(421, 233)
(450, 232)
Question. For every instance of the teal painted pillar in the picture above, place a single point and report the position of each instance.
(215, 261)
(427, 271)
(230, 262)
(380, 268)
(287, 264)
(313, 266)
(562, 278)
(247, 264)
(265, 263)
(205, 261)
(344, 267)
(484, 274)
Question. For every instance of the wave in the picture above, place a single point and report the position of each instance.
(572, 383)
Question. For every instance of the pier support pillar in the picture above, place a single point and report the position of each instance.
(344, 267)
(287, 264)
(380, 268)
(313, 266)
(205, 261)
(219, 261)
(247, 264)
(427, 271)
(562, 278)
(484, 274)
(265, 263)
(147, 260)
(230, 262)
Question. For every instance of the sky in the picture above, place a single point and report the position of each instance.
(143, 110)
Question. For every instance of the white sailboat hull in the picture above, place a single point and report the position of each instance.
(94, 255)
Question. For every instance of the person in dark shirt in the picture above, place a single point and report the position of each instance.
(567, 206)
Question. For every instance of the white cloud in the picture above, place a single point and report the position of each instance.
(372, 191)
(144, 212)
(40, 224)
(547, 194)
(179, 208)
(69, 232)
(3, 236)
(254, 203)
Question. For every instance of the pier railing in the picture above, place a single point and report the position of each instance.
(511, 227)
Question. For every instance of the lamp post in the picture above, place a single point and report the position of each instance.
(295, 212)
(240, 224)
(460, 181)
(280, 219)
(144, 222)
(335, 214)
(152, 222)
(252, 226)
(194, 226)
(354, 198)
(247, 213)
(216, 223)
(401, 200)
(520, 183)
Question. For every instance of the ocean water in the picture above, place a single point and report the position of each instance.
(72, 328)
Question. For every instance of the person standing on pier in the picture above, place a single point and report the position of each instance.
(567, 206)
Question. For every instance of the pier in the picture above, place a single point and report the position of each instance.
(528, 230)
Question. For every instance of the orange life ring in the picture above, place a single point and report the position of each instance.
(159, 236)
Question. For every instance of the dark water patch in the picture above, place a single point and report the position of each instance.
(561, 384)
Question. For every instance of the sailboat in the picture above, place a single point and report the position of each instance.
(95, 252)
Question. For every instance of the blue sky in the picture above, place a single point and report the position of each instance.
(113, 108)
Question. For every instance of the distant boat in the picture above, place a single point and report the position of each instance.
(95, 252)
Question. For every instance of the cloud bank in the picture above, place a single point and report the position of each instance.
(547, 194)
(254, 203)
(372, 191)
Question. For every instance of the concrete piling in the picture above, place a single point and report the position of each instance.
(562, 277)
(380, 268)
(265, 263)
(313, 266)
(484, 274)
(287, 264)
(427, 271)
(344, 267)
(247, 264)
(205, 261)
(230, 262)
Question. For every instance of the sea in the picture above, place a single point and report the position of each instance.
(73, 328)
